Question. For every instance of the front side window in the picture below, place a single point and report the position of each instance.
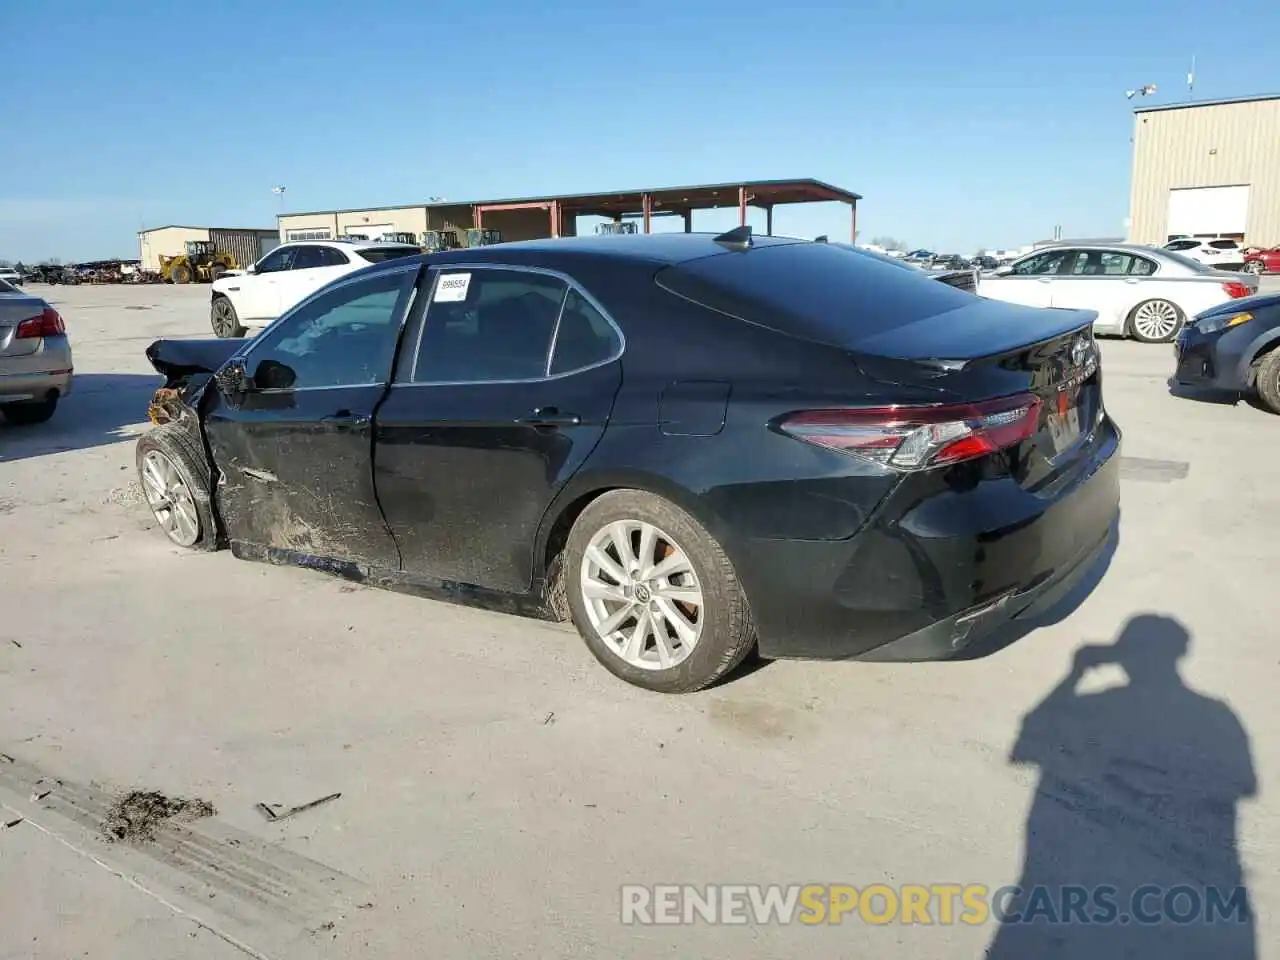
(345, 337)
(1042, 263)
(488, 325)
(281, 258)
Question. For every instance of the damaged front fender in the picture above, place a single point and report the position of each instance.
(187, 367)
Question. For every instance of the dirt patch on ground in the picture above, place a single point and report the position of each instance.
(136, 815)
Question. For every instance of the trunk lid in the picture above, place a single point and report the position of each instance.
(994, 349)
(14, 308)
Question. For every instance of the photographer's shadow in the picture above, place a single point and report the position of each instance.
(1138, 790)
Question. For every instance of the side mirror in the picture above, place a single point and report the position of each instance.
(251, 268)
(1002, 271)
(232, 379)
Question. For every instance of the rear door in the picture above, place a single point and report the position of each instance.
(310, 270)
(500, 395)
(1109, 282)
(16, 307)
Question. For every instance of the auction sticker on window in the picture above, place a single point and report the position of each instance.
(452, 288)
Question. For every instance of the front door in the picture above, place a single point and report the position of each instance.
(1029, 281)
(294, 448)
(486, 422)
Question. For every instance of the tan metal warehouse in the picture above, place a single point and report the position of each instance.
(1208, 168)
(171, 240)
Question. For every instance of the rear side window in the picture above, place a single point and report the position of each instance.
(330, 257)
(812, 290)
(488, 325)
(584, 337)
(379, 254)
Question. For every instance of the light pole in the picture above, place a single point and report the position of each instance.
(279, 192)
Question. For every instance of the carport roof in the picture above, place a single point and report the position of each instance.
(698, 197)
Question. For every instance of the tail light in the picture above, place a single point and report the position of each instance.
(916, 437)
(1235, 290)
(48, 324)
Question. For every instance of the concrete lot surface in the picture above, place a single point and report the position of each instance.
(498, 787)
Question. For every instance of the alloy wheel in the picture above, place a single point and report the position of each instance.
(170, 499)
(1156, 320)
(224, 323)
(642, 595)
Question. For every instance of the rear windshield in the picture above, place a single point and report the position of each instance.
(379, 254)
(813, 290)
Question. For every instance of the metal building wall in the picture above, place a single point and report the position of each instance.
(1207, 146)
(244, 245)
(166, 241)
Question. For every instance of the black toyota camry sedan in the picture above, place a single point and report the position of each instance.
(691, 445)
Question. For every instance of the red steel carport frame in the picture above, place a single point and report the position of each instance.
(679, 201)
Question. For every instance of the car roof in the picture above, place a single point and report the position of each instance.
(661, 248)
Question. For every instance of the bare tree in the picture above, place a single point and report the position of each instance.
(889, 243)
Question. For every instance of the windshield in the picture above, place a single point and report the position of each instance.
(379, 254)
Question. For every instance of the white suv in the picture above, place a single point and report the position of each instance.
(288, 275)
(1219, 254)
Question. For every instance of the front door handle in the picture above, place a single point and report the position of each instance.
(343, 416)
(1045, 279)
(551, 417)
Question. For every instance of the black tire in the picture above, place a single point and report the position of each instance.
(175, 442)
(224, 319)
(1267, 381)
(1143, 338)
(27, 413)
(727, 631)
(180, 274)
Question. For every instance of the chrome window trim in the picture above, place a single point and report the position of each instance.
(571, 284)
(243, 354)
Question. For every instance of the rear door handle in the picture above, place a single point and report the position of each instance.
(551, 417)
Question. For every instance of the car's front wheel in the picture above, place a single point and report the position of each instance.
(1267, 380)
(175, 478)
(653, 594)
(1156, 321)
(224, 319)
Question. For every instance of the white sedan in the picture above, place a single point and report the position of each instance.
(1137, 291)
(288, 275)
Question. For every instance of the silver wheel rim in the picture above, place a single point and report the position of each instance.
(1254, 266)
(170, 499)
(1156, 320)
(642, 595)
(223, 325)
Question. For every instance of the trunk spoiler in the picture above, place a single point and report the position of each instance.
(985, 328)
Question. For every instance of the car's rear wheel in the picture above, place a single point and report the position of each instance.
(225, 320)
(1254, 267)
(1156, 321)
(29, 412)
(175, 478)
(1267, 381)
(653, 594)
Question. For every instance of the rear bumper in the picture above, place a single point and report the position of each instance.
(933, 574)
(37, 375)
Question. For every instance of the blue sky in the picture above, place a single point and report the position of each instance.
(962, 124)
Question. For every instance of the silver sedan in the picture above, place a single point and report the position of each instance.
(35, 357)
(1137, 291)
